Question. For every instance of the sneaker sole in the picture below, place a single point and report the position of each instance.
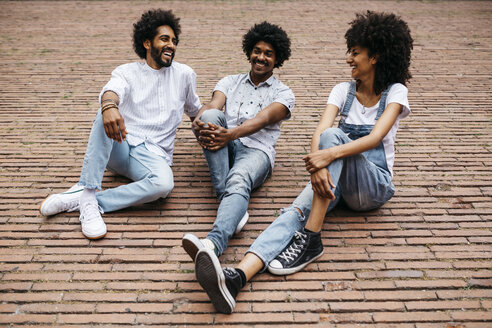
(42, 204)
(95, 237)
(242, 223)
(283, 272)
(98, 237)
(210, 276)
(191, 245)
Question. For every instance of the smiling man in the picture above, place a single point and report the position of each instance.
(134, 130)
(238, 130)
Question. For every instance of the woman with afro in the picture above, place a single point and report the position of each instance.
(350, 163)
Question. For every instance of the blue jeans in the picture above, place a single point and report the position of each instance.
(359, 182)
(235, 170)
(152, 175)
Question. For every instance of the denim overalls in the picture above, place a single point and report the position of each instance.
(363, 181)
(354, 132)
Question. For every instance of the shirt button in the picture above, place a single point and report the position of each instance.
(256, 88)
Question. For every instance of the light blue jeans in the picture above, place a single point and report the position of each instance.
(359, 182)
(235, 170)
(152, 175)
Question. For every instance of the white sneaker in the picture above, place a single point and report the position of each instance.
(192, 244)
(66, 201)
(241, 223)
(93, 226)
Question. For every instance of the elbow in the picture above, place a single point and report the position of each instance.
(374, 141)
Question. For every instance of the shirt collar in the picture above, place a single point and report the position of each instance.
(269, 81)
(150, 69)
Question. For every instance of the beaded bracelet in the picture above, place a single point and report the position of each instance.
(106, 107)
(110, 104)
(109, 100)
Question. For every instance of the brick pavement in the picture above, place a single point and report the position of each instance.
(422, 260)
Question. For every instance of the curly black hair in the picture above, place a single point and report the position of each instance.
(388, 37)
(146, 28)
(269, 33)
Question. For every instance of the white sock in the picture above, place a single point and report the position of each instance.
(88, 196)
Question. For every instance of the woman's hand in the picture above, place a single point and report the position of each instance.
(319, 159)
(322, 183)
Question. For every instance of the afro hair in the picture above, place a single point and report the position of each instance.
(269, 33)
(146, 28)
(386, 36)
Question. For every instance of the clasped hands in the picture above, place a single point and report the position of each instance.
(211, 137)
(316, 163)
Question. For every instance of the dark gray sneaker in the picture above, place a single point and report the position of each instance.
(221, 285)
(304, 248)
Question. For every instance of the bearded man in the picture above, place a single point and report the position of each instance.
(133, 133)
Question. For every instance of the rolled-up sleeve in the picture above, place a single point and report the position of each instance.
(225, 84)
(286, 97)
(398, 93)
(192, 104)
(118, 84)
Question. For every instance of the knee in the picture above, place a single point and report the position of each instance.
(214, 116)
(238, 182)
(331, 137)
(161, 187)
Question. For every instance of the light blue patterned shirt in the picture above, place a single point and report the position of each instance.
(244, 100)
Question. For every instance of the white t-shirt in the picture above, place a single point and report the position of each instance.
(361, 115)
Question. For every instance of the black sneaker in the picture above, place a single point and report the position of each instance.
(304, 248)
(221, 285)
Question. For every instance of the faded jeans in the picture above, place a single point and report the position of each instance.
(362, 185)
(152, 175)
(235, 170)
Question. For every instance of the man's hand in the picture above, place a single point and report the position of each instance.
(214, 137)
(322, 183)
(319, 159)
(114, 125)
(197, 126)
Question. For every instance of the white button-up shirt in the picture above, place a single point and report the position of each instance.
(152, 103)
(244, 100)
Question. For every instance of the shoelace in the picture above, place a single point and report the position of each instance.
(91, 212)
(71, 206)
(230, 271)
(292, 252)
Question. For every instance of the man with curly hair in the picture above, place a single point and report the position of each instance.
(352, 162)
(134, 129)
(238, 130)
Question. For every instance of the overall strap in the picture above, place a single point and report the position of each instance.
(349, 100)
(382, 102)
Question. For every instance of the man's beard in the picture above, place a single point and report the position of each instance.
(156, 55)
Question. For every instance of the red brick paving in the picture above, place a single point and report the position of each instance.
(421, 261)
